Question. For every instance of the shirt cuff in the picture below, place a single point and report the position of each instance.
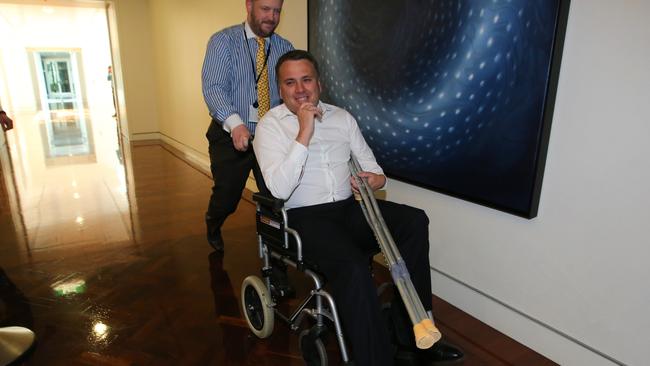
(231, 122)
(385, 182)
(298, 153)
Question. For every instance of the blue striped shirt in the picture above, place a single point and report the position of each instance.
(228, 75)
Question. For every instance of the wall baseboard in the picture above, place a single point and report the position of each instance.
(194, 158)
(198, 160)
(145, 136)
(525, 329)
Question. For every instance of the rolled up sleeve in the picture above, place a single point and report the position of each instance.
(281, 159)
(216, 77)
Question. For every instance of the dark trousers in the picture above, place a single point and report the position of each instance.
(230, 169)
(339, 241)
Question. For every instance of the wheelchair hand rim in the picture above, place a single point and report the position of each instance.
(254, 307)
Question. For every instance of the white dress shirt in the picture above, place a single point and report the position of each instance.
(305, 176)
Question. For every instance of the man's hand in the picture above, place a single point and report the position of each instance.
(240, 137)
(7, 123)
(306, 115)
(374, 181)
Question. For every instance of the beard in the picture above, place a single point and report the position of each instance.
(262, 28)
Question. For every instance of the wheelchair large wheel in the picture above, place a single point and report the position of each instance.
(256, 302)
(312, 349)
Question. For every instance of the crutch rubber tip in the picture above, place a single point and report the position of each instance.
(432, 329)
(423, 339)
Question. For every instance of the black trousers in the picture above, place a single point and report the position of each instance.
(230, 169)
(339, 241)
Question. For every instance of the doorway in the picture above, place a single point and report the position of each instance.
(61, 99)
(65, 153)
(58, 74)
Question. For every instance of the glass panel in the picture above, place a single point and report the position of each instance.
(61, 105)
(64, 76)
(50, 78)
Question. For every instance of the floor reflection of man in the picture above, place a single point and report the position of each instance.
(225, 301)
(240, 347)
(226, 308)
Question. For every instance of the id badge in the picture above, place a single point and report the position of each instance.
(252, 114)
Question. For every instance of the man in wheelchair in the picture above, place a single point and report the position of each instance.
(303, 147)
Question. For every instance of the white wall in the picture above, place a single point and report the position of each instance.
(581, 267)
(136, 65)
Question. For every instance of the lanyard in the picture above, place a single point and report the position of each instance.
(250, 55)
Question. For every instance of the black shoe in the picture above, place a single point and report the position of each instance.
(405, 357)
(214, 234)
(216, 243)
(441, 352)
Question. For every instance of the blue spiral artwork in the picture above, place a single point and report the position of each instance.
(455, 95)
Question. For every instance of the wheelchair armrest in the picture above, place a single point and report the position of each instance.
(268, 201)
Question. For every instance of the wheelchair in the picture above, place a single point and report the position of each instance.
(281, 243)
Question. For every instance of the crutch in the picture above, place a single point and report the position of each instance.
(424, 330)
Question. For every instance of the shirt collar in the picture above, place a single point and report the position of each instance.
(285, 112)
(249, 32)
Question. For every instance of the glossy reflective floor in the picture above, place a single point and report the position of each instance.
(103, 255)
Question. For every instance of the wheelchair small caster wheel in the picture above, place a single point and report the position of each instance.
(257, 306)
(312, 349)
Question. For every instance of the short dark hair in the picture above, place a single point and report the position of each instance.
(295, 55)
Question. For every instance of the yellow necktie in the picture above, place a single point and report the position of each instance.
(263, 99)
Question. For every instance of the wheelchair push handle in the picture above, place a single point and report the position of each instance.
(267, 200)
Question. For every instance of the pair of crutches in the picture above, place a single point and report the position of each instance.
(424, 330)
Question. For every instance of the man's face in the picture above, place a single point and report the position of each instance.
(263, 16)
(298, 84)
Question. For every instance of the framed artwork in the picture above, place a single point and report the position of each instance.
(455, 96)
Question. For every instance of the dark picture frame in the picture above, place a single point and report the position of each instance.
(453, 96)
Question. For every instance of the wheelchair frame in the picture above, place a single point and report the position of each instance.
(258, 300)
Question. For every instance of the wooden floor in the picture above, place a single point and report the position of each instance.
(133, 282)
